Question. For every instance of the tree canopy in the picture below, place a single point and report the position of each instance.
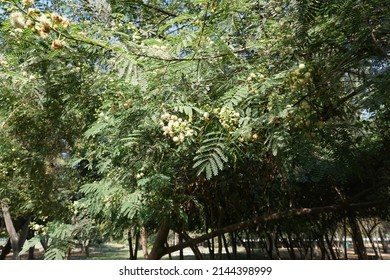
(194, 116)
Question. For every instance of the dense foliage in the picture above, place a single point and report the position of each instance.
(193, 116)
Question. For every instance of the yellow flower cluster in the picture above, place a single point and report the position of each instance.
(39, 23)
(39, 229)
(17, 20)
(228, 118)
(28, 2)
(176, 128)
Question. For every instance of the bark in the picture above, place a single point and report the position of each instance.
(226, 247)
(369, 235)
(144, 242)
(169, 254)
(234, 244)
(13, 235)
(86, 247)
(324, 251)
(345, 239)
(194, 248)
(357, 238)
(269, 245)
(136, 246)
(246, 244)
(291, 244)
(220, 246)
(385, 246)
(45, 243)
(31, 250)
(330, 247)
(133, 236)
(210, 245)
(276, 244)
(130, 244)
(68, 255)
(311, 248)
(181, 250)
(159, 248)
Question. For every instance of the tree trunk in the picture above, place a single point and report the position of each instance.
(86, 247)
(194, 248)
(31, 250)
(181, 250)
(291, 244)
(144, 242)
(220, 245)
(210, 245)
(269, 245)
(226, 247)
(276, 244)
(357, 238)
(345, 239)
(14, 236)
(45, 243)
(311, 248)
(246, 246)
(234, 243)
(31, 253)
(368, 233)
(324, 251)
(159, 248)
(385, 246)
(330, 247)
(169, 254)
(68, 254)
(130, 243)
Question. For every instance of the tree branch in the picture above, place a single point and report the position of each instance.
(273, 217)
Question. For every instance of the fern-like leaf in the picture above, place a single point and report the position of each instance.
(235, 96)
(30, 243)
(54, 253)
(210, 158)
(187, 109)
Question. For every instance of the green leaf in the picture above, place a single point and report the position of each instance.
(96, 128)
(54, 253)
(210, 157)
(29, 244)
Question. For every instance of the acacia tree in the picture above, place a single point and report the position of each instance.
(217, 116)
(45, 107)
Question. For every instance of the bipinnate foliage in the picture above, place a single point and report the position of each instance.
(170, 108)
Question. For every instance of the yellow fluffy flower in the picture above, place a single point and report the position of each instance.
(28, 2)
(17, 20)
